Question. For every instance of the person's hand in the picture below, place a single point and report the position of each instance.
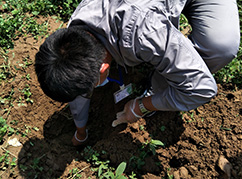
(80, 136)
(126, 116)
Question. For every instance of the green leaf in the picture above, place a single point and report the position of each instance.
(157, 142)
(14, 12)
(35, 13)
(100, 170)
(119, 171)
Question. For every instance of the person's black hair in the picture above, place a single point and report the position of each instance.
(68, 63)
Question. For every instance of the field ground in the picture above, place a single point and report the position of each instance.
(194, 141)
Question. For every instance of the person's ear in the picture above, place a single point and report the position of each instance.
(104, 67)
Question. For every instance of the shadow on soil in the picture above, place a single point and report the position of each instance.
(49, 157)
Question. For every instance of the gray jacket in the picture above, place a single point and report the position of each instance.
(147, 31)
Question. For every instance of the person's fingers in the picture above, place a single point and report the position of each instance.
(125, 116)
(119, 114)
(119, 121)
(121, 118)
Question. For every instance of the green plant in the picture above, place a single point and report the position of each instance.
(23, 167)
(184, 23)
(225, 128)
(231, 73)
(75, 173)
(191, 115)
(90, 155)
(162, 128)
(141, 127)
(4, 128)
(148, 147)
(20, 17)
(118, 174)
(5, 67)
(168, 174)
(138, 162)
(132, 176)
(153, 144)
(6, 161)
(35, 165)
(102, 167)
(27, 94)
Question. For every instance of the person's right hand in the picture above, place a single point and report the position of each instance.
(126, 116)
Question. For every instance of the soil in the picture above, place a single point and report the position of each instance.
(194, 141)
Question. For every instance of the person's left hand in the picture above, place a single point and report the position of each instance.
(125, 116)
(80, 136)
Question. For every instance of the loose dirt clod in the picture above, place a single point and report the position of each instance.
(225, 166)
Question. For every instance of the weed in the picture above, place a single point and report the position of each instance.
(5, 67)
(27, 94)
(147, 147)
(4, 128)
(162, 128)
(138, 162)
(191, 114)
(118, 174)
(75, 173)
(20, 103)
(102, 167)
(202, 119)
(35, 164)
(20, 18)
(28, 76)
(184, 23)
(132, 176)
(23, 167)
(141, 127)
(90, 155)
(153, 144)
(36, 129)
(225, 128)
(6, 161)
(168, 174)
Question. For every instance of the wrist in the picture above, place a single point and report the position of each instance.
(139, 108)
(81, 133)
(134, 109)
(81, 138)
(143, 110)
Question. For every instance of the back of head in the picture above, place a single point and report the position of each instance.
(68, 63)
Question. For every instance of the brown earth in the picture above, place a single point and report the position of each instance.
(194, 141)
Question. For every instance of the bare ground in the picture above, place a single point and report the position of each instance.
(194, 141)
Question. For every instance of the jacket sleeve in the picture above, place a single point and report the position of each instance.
(79, 108)
(181, 80)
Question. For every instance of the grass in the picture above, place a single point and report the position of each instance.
(19, 18)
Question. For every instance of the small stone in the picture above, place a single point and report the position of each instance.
(183, 172)
(193, 170)
(14, 142)
(225, 166)
(176, 175)
(234, 138)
